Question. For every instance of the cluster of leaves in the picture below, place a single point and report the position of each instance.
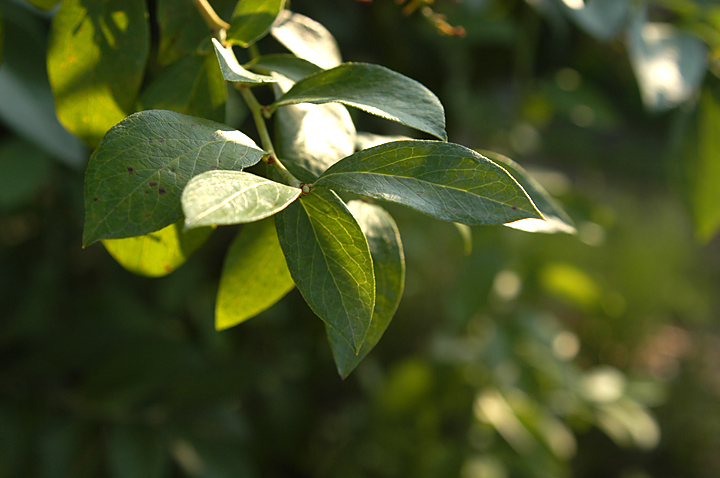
(161, 178)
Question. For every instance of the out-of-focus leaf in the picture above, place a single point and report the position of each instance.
(157, 253)
(365, 140)
(136, 452)
(232, 71)
(389, 266)
(287, 65)
(23, 168)
(252, 19)
(669, 65)
(43, 4)
(254, 277)
(443, 180)
(706, 190)
(135, 177)
(193, 86)
(96, 58)
(376, 90)
(181, 29)
(2, 37)
(600, 18)
(233, 197)
(556, 220)
(307, 39)
(329, 260)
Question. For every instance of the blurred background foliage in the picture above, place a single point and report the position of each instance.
(594, 355)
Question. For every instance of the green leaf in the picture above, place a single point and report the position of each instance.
(135, 177)
(193, 86)
(705, 197)
(376, 90)
(43, 4)
(252, 19)
(443, 180)
(136, 452)
(23, 169)
(600, 18)
(254, 276)
(289, 66)
(306, 39)
(233, 197)
(232, 71)
(158, 253)
(389, 266)
(329, 260)
(556, 219)
(96, 59)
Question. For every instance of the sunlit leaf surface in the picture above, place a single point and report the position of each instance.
(307, 39)
(232, 71)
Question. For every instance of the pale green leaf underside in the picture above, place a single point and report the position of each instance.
(233, 197)
(232, 71)
(158, 253)
(389, 266)
(287, 65)
(376, 90)
(555, 219)
(329, 260)
(306, 39)
(252, 19)
(136, 176)
(444, 180)
(254, 277)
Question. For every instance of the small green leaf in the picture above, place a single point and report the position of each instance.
(232, 71)
(252, 19)
(556, 220)
(136, 452)
(96, 59)
(443, 180)
(233, 197)
(376, 90)
(289, 66)
(158, 253)
(135, 177)
(329, 260)
(389, 266)
(705, 197)
(306, 39)
(192, 85)
(254, 276)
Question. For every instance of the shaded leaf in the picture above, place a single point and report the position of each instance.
(307, 39)
(556, 219)
(136, 452)
(365, 140)
(23, 169)
(600, 18)
(43, 4)
(443, 180)
(96, 59)
(232, 71)
(376, 90)
(254, 276)
(157, 253)
(329, 260)
(135, 177)
(233, 197)
(289, 66)
(705, 197)
(389, 266)
(252, 19)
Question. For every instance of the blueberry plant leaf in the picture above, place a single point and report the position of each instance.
(601, 19)
(232, 71)
(254, 276)
(43, 4)
(329, 260)
(252, 19)
(96, 59)
(389, 267)
(157, 253)
(135, 177)
(444, 180)
(555, 218)
(287, 65)
(193, 86)
(233, 197)
(705, 199)
(376, 90)
(306, 39)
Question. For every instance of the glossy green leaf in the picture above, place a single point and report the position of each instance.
(306, 39)
(600, 18)
(96, 59)
(389, 266)
(233, 197)
(555, 218)
(443, 180)
(289, 66)
(193, 86)
(135, 177)
(329, 260)
(232, 71)
(157, 253)
(136, 452)
(252, 19)
(706, 192)
(376, 90)
(254, 276)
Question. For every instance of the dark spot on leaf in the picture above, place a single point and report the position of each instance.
(213, 136)
(514, 208)
(168, 268)
(185, 151)
(150, 140)
(152, 184)
(161, 140)
(192, 124)
(214, 166)
(161, 191)
(149, 214)
(130, 170)
(146, 192)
